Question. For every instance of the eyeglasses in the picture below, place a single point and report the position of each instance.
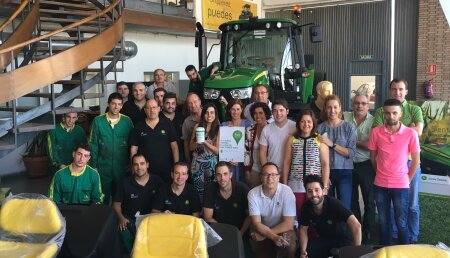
(360, 103)
(274, 175)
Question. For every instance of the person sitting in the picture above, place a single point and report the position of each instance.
(178, 197)
(329, 219)
(135, 194)
(272, 212)
(77, 183)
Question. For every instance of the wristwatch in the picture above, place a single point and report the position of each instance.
(333, 147)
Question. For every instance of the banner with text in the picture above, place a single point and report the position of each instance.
(216, 12)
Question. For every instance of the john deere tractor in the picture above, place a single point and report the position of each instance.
(260, 51)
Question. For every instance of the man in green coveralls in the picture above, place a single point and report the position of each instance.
(110, 134)
(62, 140)
(77, 183)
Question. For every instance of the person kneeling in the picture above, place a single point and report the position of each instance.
(272, 213)
(329, 219)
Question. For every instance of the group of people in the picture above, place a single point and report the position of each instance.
(292, 170)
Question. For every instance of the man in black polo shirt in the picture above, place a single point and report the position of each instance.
(156, 139)
(178, 197)
(134, 108)
(225, 201)
(170, 112)
(135, 194)
(329, 218)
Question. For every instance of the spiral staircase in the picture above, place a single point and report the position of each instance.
(52, 52)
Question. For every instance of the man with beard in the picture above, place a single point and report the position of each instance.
(412, 117)
(134, 108)
(329, 219)
(389, 145)
(197, 78)
(170, 112)
(135, 194)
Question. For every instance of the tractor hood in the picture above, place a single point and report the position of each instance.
(237, 78)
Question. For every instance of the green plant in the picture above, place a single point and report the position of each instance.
(37, 147)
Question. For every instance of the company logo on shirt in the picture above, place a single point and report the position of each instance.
(143, 134)
(167, 202)
(216, 206)
(235, 205)
(330, 222)
(163, 132)
(278, 204)
(186, 202)
(134, 196)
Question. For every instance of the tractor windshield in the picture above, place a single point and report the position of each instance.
(268, 49)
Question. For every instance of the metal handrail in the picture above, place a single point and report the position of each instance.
(70, 26)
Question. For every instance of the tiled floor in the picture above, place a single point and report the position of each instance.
(21, 183)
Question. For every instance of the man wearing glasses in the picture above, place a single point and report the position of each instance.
(389, 146)
(272, 213)
(363, 173)
(260, 94)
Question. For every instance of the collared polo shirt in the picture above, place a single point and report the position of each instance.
(392, 155)
(272, 210)
(410, 114)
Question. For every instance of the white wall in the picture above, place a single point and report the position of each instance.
(170, 52)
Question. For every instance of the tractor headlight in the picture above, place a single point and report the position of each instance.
(211, 94)
(245, 93)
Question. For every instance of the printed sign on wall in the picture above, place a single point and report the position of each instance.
(216, 12)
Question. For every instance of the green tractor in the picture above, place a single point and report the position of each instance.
(260, 51)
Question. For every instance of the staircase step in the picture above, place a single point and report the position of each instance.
(97, 70)
(67, 20)
(49, 95)
(6, 146)
(65, 110)
(69, 5)
(54, 48)
(95, 29)
(67, 38)
(34, 127)
(111, 58)
(18, 108)
(68, 12)
(93, 95)
(77, 82)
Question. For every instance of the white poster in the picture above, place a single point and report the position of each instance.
(231, 146)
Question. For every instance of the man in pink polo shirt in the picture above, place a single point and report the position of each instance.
(389, 146)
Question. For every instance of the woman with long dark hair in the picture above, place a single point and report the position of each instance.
(205, 154)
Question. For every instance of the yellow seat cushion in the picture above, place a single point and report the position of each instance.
(30, 216)
(27, 250)
(170, 235)
(411, 251)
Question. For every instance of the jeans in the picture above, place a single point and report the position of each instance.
(399, 198)
(363, 176)
(341, 181)
(413, 208)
